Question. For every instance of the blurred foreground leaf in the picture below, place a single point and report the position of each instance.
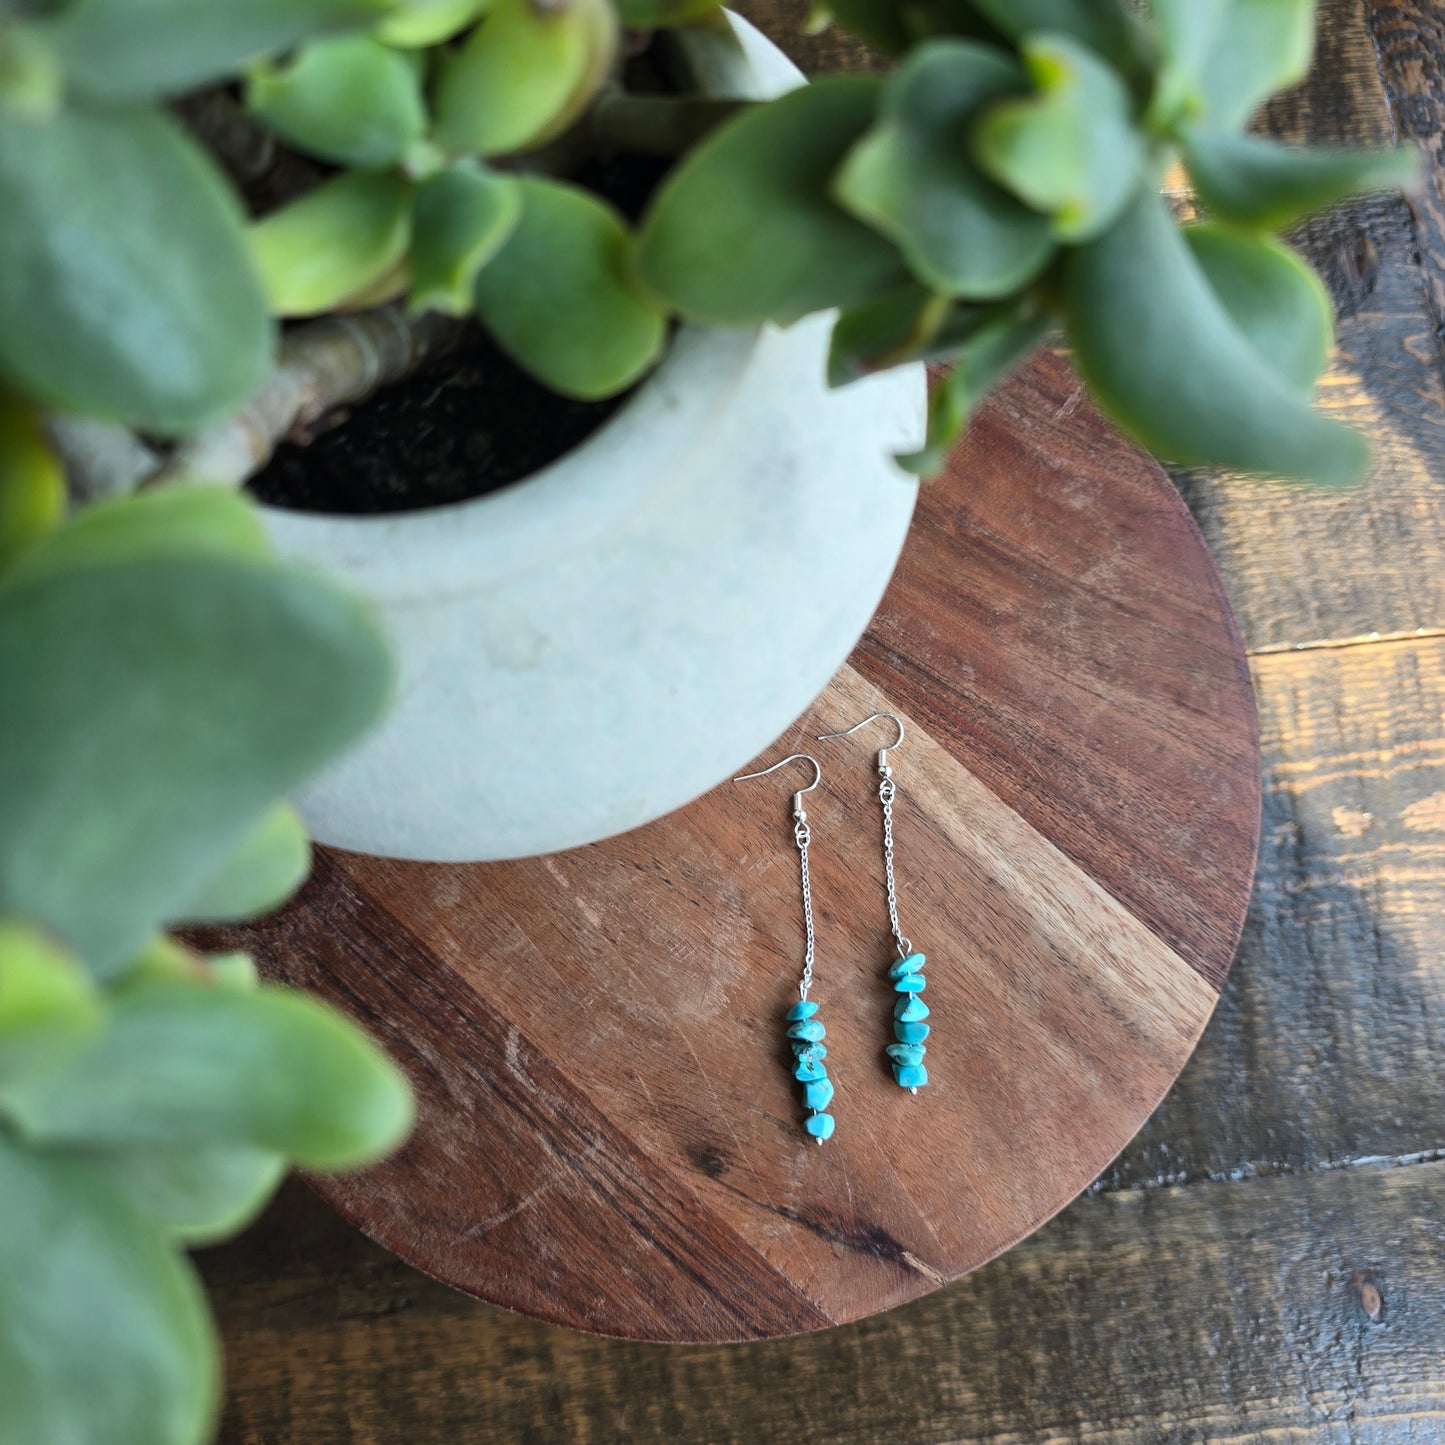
(32, 481)
(190, 1065)
(1136, 299)
(197, 1196)
(104, 1334)
(1070, 149)
(141, 740)
(265, 868)
(1258, 182)
(126, 290)
(119, 51)
(912, 175)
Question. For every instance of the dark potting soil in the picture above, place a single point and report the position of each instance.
(465, 423)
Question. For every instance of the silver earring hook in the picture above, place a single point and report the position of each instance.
(872, 717)
(791, 758)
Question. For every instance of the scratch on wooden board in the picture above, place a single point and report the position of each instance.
(485, 1226)
(926, 1270)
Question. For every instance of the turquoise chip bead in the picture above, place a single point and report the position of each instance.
(910, 1010)
(820, 1126)
(906, 1053)
(803, 1009)
(910, 1076)
(912, 964)
(807, 1053)
(910, 983)
(908, 1033)
(808, 1072)
(819, 1094)
(809, 1029)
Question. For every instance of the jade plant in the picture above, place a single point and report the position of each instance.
(223, 221)
(998, 188)
(165, 683)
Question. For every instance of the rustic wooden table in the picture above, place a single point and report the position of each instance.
(1267, 1259)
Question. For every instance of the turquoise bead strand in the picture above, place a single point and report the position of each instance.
(909, 1028)
(805, 1036)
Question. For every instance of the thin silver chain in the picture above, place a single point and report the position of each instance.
(803, 837)
(887, 791)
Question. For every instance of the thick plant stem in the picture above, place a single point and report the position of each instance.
(323, 365)
(101, 458)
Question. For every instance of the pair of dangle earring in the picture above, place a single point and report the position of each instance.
(805, 1029)
(906, 973)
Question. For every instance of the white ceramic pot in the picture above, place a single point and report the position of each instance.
(591, 647)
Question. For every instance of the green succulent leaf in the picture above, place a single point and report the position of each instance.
(1261, 46)
(1257, 182)
(1279, 304)
(48, 1003)
(121, 51)
(1222, 58)
(1108, 27)
(662, 14)
(1071, 149)
(912, 177)
(893, 28)
(351, 100)
(165, 959)
(104, 1333)
(32, 84)
(268, 865)
(463, 217)
(32, 480)
(524, 74)
(905, 323)
(174, 521)
(126, 290)
(141, 741)
(995, 349)
(236, 971)
(189, 1064)
(198, 1195)
(558, 297)
(424, 23)
(334, 242)
(1136, 300)
(745, 230)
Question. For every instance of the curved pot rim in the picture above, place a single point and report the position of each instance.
(560, 507)
(557, 508)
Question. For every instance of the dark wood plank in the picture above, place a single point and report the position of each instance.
(1327, 1043)
(1410, 40)
(1304, 566)
(1307, 1308)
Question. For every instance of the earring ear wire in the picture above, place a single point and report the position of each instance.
(906, 974)
(805, 1031)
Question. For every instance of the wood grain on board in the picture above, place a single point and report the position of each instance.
(609, 1136)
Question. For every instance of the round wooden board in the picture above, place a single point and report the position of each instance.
(608, 1134)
